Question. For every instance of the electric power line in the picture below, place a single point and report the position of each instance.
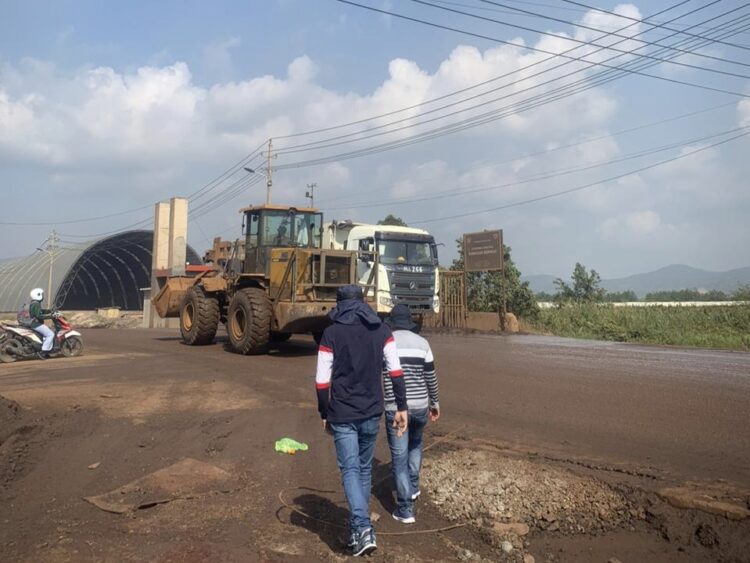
(590, 28)
(738, 46)
(585, 186)
(539, 177)
(482, 118)
(494, 164)
(201, 192)
(537, 49)
(494, 79)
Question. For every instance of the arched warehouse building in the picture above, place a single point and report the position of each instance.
(109, 272)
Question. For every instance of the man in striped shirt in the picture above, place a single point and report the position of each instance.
(350, 400)
(418, 366)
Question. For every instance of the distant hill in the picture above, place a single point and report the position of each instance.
(676, 276)
(541, 282)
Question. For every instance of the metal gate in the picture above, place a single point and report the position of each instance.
(452, 302)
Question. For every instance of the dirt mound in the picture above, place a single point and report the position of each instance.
(88, 319)
(9, 412)
(490, 489)
(15, 433)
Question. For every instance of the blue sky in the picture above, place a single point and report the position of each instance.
(104, 110)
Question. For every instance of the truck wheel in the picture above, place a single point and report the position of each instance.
(249, 321)
(199, 317)
(280, 336)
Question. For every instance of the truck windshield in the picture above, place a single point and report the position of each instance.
(404, 252)
(282, 228)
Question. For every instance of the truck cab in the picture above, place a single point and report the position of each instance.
(276, 226)
(402, 261)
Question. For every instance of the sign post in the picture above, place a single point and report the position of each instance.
(483, 252)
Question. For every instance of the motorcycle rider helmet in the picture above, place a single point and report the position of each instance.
(37, 294)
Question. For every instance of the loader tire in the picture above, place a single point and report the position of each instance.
(199, 317)
(249, 322)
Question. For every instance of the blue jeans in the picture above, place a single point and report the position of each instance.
(355, 448)
(48, 336)
(406, 456)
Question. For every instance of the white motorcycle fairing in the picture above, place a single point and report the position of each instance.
(25, 333)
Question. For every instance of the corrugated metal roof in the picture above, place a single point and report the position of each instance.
(102, 273)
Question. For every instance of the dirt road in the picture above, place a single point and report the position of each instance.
(676, 410)
(626, 421)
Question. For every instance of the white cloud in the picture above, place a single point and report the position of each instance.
(335, 175)
(638, 224)
(103, 133)
(422, 179)
(643, 222)
(156, 117)
(550, 222)
(743, 112)
(624, 27)
(217, 57)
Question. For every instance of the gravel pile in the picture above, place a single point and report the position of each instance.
(86, 319)
(493, 491)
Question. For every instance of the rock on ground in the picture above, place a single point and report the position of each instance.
(496, 491)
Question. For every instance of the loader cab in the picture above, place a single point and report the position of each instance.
(275, 226)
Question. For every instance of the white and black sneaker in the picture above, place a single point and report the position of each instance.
(415, 496)
(365, 543)
(404, 516)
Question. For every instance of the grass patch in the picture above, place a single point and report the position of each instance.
(707, 327)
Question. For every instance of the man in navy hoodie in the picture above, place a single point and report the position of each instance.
(350, 400)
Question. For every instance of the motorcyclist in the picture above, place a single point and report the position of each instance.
(38, 316)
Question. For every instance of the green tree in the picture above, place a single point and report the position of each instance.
(393, 221)
(620, 296)
(484, 290)
(585, 287)
(687, 295)
(742, 293)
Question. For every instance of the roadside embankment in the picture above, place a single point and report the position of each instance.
(724, 327)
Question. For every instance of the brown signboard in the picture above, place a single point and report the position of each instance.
(483, 252)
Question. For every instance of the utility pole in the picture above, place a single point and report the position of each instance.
(50, 248)
(269, 171)
(310, 193)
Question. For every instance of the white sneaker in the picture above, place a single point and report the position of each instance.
(403, 518)
(416, 495)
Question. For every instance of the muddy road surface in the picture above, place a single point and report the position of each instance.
(551, 449)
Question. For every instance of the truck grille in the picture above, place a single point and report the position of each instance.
(413, 289)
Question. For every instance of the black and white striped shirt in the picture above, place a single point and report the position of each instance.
(418, 366)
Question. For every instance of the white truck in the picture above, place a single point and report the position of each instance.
(406, 260)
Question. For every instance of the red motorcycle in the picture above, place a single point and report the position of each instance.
(21, 343)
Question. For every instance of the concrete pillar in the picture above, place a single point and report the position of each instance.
(160, 253)
(159, 260)
(169, 253)
(178, 223)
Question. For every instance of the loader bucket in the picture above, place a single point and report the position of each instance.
(169, 299)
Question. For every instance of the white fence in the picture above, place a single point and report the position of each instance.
(550, 304)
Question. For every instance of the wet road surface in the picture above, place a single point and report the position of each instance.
(683, 411)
